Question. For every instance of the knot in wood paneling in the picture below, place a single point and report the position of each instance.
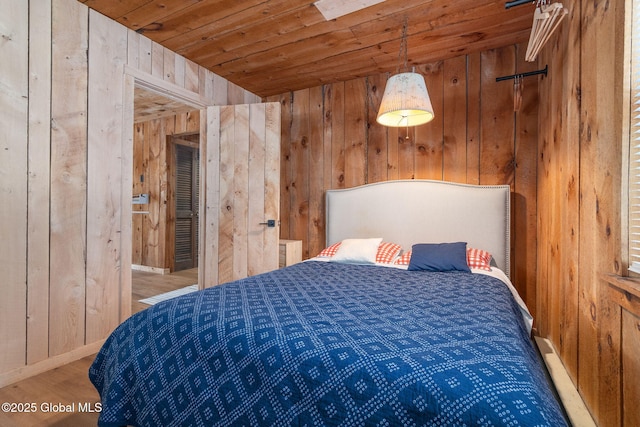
(154, 26)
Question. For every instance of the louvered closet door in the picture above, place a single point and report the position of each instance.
(186, 196)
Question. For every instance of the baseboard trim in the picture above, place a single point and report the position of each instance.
(28, 371)
(157, 270)
(571, 400)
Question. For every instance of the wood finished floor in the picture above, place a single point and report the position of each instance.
(146, 285)
(69, 386)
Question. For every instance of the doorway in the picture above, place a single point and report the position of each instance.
(233, 204)
(165, 144)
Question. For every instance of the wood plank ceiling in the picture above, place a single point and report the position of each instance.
(271, 47)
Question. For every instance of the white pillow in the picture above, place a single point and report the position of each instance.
(358, 251)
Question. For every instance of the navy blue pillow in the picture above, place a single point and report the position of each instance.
(439, 257)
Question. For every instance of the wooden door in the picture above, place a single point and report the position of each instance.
(240, 235)
(186, 199)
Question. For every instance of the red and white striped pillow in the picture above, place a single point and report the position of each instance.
(386, 254)
(478, 258)
(329, 251)
(404, 258)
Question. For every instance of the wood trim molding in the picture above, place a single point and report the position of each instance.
(24, 372)
(569, 396)
(625, 291)
(167, 89)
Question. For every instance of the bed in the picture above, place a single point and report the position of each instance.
(357, 336)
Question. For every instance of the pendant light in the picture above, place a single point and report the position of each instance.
(405, 101)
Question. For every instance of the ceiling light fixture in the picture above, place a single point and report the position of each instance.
(405, 101)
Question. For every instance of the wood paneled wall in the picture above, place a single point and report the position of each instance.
(330, 139)
(63, 173)
(152, 238)
(581, 206)
(14, 152)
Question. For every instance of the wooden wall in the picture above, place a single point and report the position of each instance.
(59, 173)
(63, 173)
(330, 139)
(14, 151)
(152, 238)
(581, 211)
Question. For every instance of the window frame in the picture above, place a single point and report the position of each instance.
(631, 126)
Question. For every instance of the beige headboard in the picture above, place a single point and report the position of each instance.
(424, 211)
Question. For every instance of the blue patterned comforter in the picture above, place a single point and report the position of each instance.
(328, 344)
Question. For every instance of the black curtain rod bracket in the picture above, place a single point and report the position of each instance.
(527, 74)
(514, 3)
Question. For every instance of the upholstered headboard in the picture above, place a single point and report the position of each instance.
(424, 211)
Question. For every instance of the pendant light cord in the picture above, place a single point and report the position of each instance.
(403, 53)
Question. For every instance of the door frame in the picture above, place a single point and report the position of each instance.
(134, 78)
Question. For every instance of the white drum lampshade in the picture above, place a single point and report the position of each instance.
(405, 101)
